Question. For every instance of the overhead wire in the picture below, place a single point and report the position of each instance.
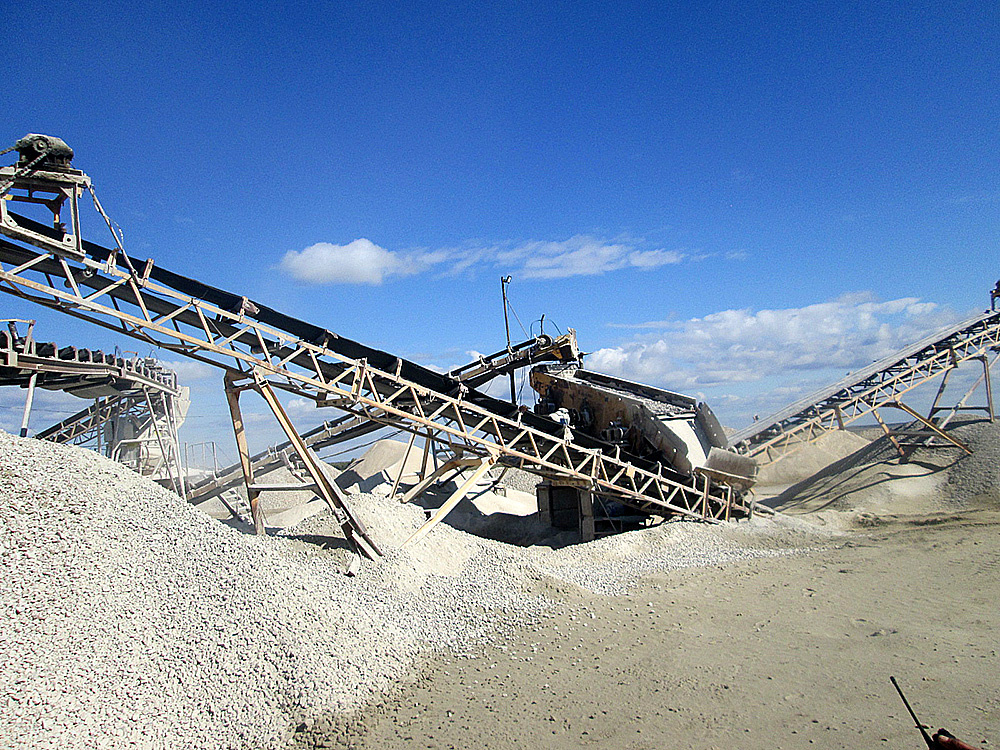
(518, 319)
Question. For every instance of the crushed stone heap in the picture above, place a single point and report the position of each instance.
(134, 620)
(976, 478)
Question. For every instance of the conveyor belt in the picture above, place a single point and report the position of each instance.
(877, 385)
(259, 344)
(84, 373)
(540, 349)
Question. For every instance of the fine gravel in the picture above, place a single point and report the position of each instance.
(132, 619)
(976, 478)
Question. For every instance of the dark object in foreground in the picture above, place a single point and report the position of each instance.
(945, 740)
(942, 739)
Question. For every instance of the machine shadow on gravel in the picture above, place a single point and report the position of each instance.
(321, 541)
(800, 495)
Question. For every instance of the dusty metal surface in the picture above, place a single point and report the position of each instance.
(671, 428)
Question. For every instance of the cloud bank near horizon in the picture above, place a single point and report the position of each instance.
(733, 347)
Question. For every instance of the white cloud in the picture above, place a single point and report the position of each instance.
(581, 255)
(191, 370)
(740, 346)
(363, 262)
(299, 406)
(358, 262)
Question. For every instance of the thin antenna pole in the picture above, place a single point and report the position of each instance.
(504, 281)
(930, 743)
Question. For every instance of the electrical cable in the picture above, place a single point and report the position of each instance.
(511, 308)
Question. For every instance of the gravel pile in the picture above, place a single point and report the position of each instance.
(134, 620)
(613, 564)
(977, 477)
(516, 479)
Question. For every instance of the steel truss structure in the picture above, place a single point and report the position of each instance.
(134, 416)
(53, 266)
(475, 373)
(879, 386)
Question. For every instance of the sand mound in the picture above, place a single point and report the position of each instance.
(493, 509)
(810, 459)
(380, 464)
(875, 482)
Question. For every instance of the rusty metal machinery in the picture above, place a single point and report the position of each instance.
(671, 428)
(261, 349)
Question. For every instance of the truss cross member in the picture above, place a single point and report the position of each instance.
(840, 416)
(354, 529)
(989, 387)
(227, 505)
(253, 495)
(931, 426)
(428, 442)
(484, 465)
(456, 465)
(27, 404)
(888, 433)
(402, 465)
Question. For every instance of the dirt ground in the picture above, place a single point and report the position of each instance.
(786, 652)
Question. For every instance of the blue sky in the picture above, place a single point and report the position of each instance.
(742, 201)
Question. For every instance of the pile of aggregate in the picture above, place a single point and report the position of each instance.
(516, 479)
(132, 619)
(612, 565)
(976, 477)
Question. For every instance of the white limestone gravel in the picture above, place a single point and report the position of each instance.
(130, 619)
(976, 477)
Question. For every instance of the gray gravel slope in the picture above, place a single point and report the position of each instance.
(131, 619)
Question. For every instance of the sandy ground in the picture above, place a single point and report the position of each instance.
(780, 652)
(792, 651)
